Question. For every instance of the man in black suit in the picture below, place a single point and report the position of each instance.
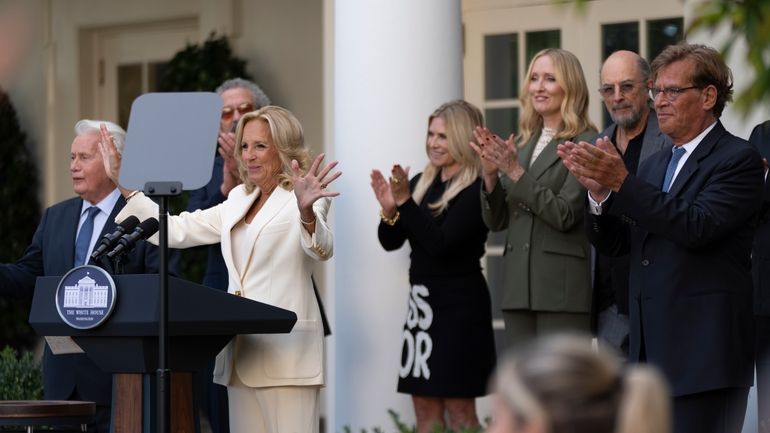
(760, 256)
(625, 77)
(692, 212)
(52, 253)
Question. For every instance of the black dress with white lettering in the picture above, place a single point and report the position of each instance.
(448, 347)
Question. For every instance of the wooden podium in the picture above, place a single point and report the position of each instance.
(201, 322)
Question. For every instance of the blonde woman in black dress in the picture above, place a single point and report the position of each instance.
(448, 349)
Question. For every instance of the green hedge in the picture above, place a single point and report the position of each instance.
(21, 377)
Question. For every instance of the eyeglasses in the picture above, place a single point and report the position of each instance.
(608, 90)
(670, 93)
(228, 112)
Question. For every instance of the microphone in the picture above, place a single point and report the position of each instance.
(146, 229)
(109, 240)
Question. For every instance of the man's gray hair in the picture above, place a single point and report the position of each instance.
(87, 126)
(260, 98)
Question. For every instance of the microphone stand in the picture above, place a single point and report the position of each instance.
(163, 190)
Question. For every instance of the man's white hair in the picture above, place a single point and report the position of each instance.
(118, 134)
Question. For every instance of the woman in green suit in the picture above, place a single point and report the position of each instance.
(528, 192)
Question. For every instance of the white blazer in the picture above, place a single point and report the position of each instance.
(277, 273)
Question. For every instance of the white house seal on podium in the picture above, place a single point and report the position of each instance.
(85, 297)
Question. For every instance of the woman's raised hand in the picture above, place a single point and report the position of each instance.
(498, 153)
(383, 193)
(313, 184)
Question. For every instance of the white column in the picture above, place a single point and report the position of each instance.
(395, 61)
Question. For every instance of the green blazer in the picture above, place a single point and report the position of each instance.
(547, 255)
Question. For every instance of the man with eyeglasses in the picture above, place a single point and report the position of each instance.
(624, 77)
(687, 219)
(239, 97)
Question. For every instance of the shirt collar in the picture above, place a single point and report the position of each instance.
(106, 205)
(692, 144)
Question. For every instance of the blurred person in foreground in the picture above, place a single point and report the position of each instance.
(273, 229)
(560, 384)
(448, 345)
(529, 193)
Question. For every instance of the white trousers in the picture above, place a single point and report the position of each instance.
(280, 409)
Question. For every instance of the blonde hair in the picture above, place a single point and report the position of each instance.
(574, 106)
(286, 133)
(460, 117)
(564, 384)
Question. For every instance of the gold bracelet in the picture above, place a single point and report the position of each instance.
(307, 223)
(130, 196)
(390, 221)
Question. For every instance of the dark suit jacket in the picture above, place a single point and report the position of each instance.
(652, 142)
(51, 253)
(690, 276)
(760, 139)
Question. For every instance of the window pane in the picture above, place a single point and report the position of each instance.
(502, 121)
(501, 66)
(620, 36)
(537, 41)
(155, 72)
(662, 33)
(129, 87)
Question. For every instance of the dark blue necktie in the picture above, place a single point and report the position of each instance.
(671, 169)
(84, 237)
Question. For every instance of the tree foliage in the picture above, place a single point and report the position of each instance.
(748, 21)
(19, 218)
(203, 67)
(21, 377)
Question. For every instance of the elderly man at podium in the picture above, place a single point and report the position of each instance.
(65, 238)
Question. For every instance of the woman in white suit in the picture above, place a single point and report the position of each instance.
(270, 240)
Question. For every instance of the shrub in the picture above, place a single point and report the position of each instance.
(21, 377)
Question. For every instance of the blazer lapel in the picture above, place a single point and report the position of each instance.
(525, 152)
(233, 214)
(71, 213)
(545, 160)
(654, 168)
(703, 149)
(110, 225)
(653, 140)
(272, 207)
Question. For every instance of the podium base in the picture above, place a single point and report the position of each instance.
(133, 409)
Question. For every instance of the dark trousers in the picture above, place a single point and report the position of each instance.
(762, 346)
(717, 411)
